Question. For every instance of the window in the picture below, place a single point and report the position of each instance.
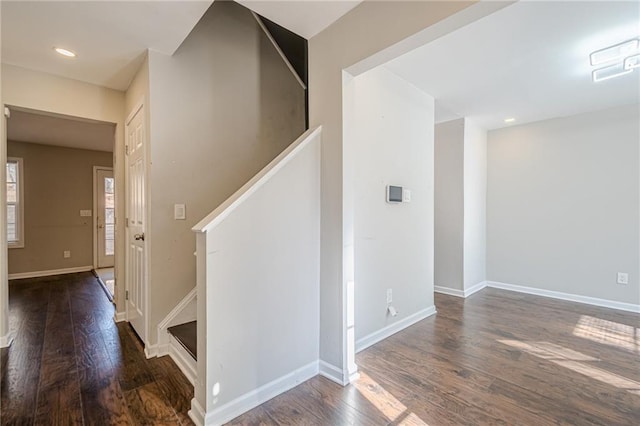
(15, 234)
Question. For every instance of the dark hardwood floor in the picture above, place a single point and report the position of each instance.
(496, 358)
(70, 364)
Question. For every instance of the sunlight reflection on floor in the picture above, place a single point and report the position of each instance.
(386, 403)
(608, 332)
(574, 361)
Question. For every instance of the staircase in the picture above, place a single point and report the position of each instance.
(185, 335)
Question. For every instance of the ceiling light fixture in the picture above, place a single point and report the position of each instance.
(614, 52)
(65, 52)
(609, 72)
(622, 58)
(632, 62)
(509, 120)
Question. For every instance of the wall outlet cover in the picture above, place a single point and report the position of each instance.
(623, 278)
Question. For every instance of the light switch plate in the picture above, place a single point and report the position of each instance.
(179, 212)
(85, 213)
(406, 196)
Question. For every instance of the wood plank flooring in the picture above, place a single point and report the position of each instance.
(70, 364)
(496, 358)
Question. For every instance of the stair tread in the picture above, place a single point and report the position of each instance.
(186, 334)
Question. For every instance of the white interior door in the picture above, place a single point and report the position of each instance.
(105, 217)
(136, 287)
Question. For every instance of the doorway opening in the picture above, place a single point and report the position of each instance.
(104, 227)
(52, 213)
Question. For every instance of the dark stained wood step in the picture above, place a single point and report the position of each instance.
(186, 334)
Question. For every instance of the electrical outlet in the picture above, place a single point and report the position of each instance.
(66, 254)
(623, 278)
(389, 295)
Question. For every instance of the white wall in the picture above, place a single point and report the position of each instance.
(475, 204)
(45, 92)
(356, 38)
(392, 139)
(563, 204)
(449, 204)
(222, 107)
(262, 289)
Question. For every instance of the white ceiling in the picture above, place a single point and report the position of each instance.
(529, 61)
(50, 129)
(109, 37)
(304, 17)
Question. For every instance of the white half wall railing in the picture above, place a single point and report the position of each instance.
(258, 266)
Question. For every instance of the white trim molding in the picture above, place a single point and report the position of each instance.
(331, 372)
(168, 321)
(5, 341)
(49, 273)
(183, 360)
(246, 402)
(120, 316)
(461, 293)
(392, 329)
(629, 307)
(196, 414)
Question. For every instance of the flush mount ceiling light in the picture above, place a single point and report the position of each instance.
(65, 52)
(613, 53)
(620, 59)
(632, 62)
(611, 71)
(509, 120)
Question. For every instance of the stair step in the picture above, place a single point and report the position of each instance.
(186, 334)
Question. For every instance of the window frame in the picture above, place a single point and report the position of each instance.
(19, 243)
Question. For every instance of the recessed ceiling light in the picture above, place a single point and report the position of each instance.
(509, 120)
(65, 52)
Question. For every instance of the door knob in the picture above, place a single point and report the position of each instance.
(101, 226)
(139, 237)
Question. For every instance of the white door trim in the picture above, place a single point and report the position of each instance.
(95, 211)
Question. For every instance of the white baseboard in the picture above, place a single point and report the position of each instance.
(5, 341)
(246, 402)
(171, 318)
(448, 291)
(183, 360)
(120, 316)
(629, 307)
(49, 273)
(460, 293)
(392, 329)
(151, 351)
(196, 414)
(331, 372)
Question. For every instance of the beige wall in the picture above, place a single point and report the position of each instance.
(563, 205)
(58, 183)
(45, 92)
(376, 28)
(221, 108)
(449, 204)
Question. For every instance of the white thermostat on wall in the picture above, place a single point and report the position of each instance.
(394, 194)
